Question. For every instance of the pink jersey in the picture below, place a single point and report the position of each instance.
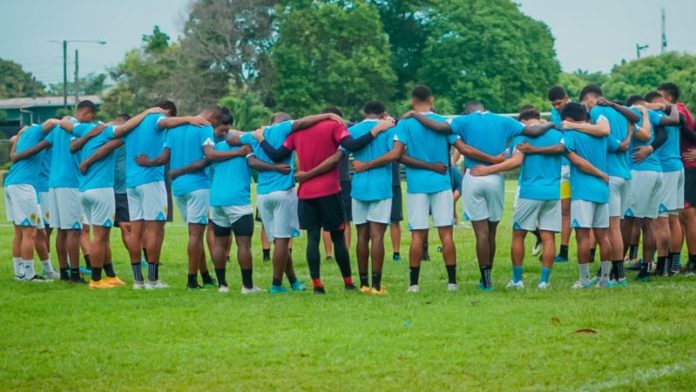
(685, 145)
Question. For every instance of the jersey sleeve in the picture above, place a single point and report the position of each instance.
(458, 126)
(206, 136)
(596, 115)
(518, 140)
(289, 142)
(401, 133)
(49, 136)
(569, 141)
(247, 138)
(339, 132)
(514, 127)
(167, 139)
(80, 129)
(655, 117)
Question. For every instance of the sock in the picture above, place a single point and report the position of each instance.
(88, 262)
(137, 272)
(396, 254)
(96, 274)
(377, 281)
(247, 280)
(451, 274)
(291, 279)
(415, 272)
(48, 268)
(661, 262)
(64, 274)
(109, 270)
(277, 282)
(18, 267)
(151, 272)
(348, 280)
(517, 271)
(192, 281)
(29, 271)
(486, 279)
(564, 251)
(633, 251)
(584, 270)
(206, 278)
(317, 283)
(618, 269)
(75, 273)
(545, 272)
(675, 261)
(606, 270)
(266, 254)
(364, 281)
(220, 273)
(593, 251)
(692, 259)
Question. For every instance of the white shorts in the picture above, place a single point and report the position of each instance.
(377, 211)
(65, 208)
(530, 215)
(672, 199)
(619, 196)
(483, 197)
(194, 206)
(226, 216)
(278, 212)
(588, 215)
(420, 205)
(44, 204)
(646, 193)
(148, 202)
(22, 207)
(99, 207)
(565, 173)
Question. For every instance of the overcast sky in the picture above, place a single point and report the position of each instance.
(590, 34)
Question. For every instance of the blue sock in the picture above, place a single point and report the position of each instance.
(545, 272)
(516, 273)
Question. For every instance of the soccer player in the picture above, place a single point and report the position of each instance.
(122, 217)
(320, 204)
(483, 196)
(43, 232)
(21, 204)
(558, 98)
(538, 204)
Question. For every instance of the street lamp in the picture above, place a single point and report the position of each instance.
(65, 66)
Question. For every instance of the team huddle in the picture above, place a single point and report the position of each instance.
(612, 172)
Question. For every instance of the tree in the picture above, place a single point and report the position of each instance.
(247, 109)
(90, 84)
(488, 50)
(333, 53)
(16, 83)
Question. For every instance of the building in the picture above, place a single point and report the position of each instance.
(24, 111)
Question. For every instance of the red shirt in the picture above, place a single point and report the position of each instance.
(313, 145)
(685, 145)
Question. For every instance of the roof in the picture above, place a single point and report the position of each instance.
(25, 103)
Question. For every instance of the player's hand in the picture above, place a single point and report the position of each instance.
(603, 102)
(174, 174)
(301, 176)
(96, 130)
(605, 177)
(84, 167)
(198, 121)
(499, 158)
(439, 168)
(258, 135)
(283, 168)
(525, 148)
(142, 160)
(480, 170)
(409, 114)
(640, 153)
(245, 150)
(565, 124)
(360, 166)
(336, 117)
(689, 155)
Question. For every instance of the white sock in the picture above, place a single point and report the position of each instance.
(584, 273)
(18, 267)
(48, 268)
(605, 271)
(28, 269)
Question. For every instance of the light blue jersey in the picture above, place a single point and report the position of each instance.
(146, 139)
(425, 145)
(45, 172)
(651, 162)
(487, 132)
(374, 184)
(594, 150)
(101, 173)
(557, 120)
(186, 143)
(64, 165)
(272, 181)
(231, 180)
(540, 175)
(618, 163)
(669, 153)
(120, 170)
(27, 170)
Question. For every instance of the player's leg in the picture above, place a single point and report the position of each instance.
(328, 245)
(155, 209)
(41, 246)
(196, 252)
(377, 231)
(17, 253)
(219, 254)
(517, 256)
(362, 245)
(418, 207)
(243, 229)
(333, 220)
(648, 226)
(606, 251)
(565, 215)
(524, 219)
(98, 251)
(309, 217)
(85, 243)
(395, 235)
(28, 236)
(662, 238)
(688, 221)
(442, 209)
(396, 216)
(582, 239)
(265, 245)
(62, 253)
(675, 243)
(72, 244)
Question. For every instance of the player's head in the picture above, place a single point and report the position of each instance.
(669, 91)
(217, 115)
(422, 98)
(529, 116)
(473, 107)
(590, 94)
(333, 109)
(634, 100)
(654, 97)
(169, 107)
(374, 109)
(223, 124)
(121, 118)
(574, 111)
(558, 97)
(85, 111)
(280, 117)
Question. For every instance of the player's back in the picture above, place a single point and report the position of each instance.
(594, 150)
(101, 172)
(618, 163)
(26, 171)
(373, 184)
(268, 180)
(487, 132)
(540, 175)
(146, 139)
(185, 144)
(651, 162)
(64, 172)
(230, 185)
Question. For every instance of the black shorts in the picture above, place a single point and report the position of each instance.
(347, 202)
(242, 227)
(323, 212)
(397, 207)
(690, 187)
(122, 215)
(257, 216)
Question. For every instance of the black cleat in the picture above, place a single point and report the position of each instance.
(319, 290)
(78, 280)
(350, 287)
(643, 275)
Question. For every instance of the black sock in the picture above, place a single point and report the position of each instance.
(192, 281)
(206, 278)
(564, 251)
(341, 252)
(247, 280)
(220, 273)
(277, 282)
(96, 274)
(377, 280)
(137, 272)
(692, 259)
(109, 270)
(313, 256)
(661, 265)
(593, 251)
(618, 269)
(633, 251)
(75, 273)
(675, 261)
(64, 274)
(364, 280)
(266, 254)
(396, 254)
(88, 262)
(415, 272)
(486, 278)
(151, 272)
(291, 279)
(451, 274)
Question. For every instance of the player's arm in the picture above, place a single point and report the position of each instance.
(49, 124)
(640, 153)
(29, 152)
(77, 144)
(125, 128)
(100, 154)
(601, 128)
(309, 121)
(476, 154)
(256, 163)
(171, 122)
(160, 160)
(393, 155)
(67, 125)
(276, 154)
(672, 117)
(537, 130)
(213, 155)
(435, 126)
(514, 162)
(437, 167)
(327, 165)
(351, 144)
(615, 145)
(234, 138)
(192, 167)
(585, 166)
(644, 132)
(528, 149)
(626, 112)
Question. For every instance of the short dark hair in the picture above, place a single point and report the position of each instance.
(280, 117)
(421, 93)
(225, 116)
(555, 93)
(472, 106)
(529, 114)
(671, 89)
(374, 107)
(169, 106)
(87, 105)
(333, 109)
(123, 116)
(630, 101)
(591, 89)
(525, 108)
(651, 95)
(575, 111)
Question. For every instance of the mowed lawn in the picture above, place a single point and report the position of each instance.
(61, 337)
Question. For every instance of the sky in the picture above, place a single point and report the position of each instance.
(591, 35)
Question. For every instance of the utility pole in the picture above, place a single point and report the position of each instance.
(663, 46)
(77, 78)
(640, 48)
(65, 74)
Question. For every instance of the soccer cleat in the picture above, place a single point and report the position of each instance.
(644, 275)
(543, 285)
(604, 284)
(396, 257)
(36, 279)
(623, 282)
(452, 287)
(85, 270)
(413, 289)
(381, 291)
(253, 290)
(138, 285)
(560, 259)
(690, 269)
(156, 285)
(210, 285)
(365, 289)
(484, 288)
(99, 284)
(197, 287)
(350, 287)
(298, 286)
(635, 266)
(319, 290)
(581, 285)
(538, 247)
(278, 290)
(515, 285)
(114, 281)
(53, 275)
(594, 281)
(78, 280)
(19, 277)
(223, 289)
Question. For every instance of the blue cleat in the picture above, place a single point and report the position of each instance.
(84, 270)
(559, 259)
(618, 283)
(298, 286)
(485, 289)
(278, 290)
(396, 257)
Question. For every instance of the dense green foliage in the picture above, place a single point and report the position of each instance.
(15, 82)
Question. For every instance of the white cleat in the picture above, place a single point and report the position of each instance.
(138, 285)
(156, 285)
(452, 287)
(223, 289)
(515, 285)
(53, 275)
(413, 289)
(544, 285)
(253, 290)
(536, 250)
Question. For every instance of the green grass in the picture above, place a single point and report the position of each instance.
(61, 337)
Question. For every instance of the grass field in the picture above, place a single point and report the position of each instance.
(61, 337)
